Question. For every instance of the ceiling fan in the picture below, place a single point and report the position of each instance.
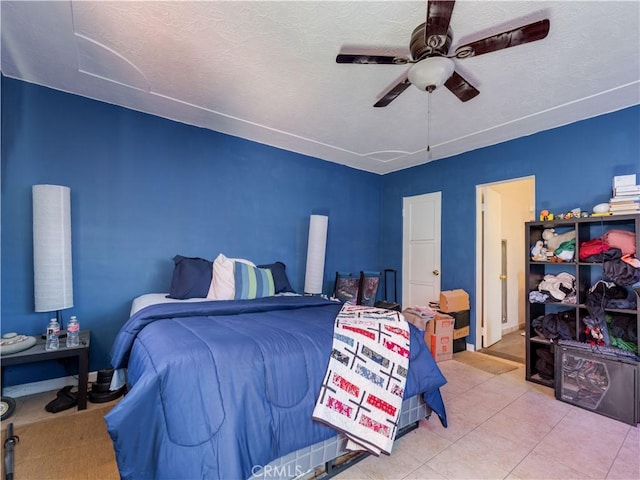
(432, 62)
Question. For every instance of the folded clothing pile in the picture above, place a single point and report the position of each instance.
(623, 331)
(556, 326)
(597, 249)
(560, 287)
(600, 296)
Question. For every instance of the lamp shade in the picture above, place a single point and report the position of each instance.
(52, 272)
(315, 254)
(431, 72)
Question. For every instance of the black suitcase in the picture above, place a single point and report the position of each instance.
(386, 304)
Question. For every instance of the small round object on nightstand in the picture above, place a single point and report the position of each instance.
(13, 343)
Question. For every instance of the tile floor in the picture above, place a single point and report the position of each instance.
(500, 427)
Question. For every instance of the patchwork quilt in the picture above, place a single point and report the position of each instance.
(361, 394)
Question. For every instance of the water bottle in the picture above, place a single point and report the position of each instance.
(73, 332)
(53, 331)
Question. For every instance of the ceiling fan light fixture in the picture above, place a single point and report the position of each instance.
(431, 73)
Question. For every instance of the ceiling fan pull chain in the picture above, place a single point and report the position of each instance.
(429, 125)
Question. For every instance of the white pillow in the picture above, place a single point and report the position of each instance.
(222, 279)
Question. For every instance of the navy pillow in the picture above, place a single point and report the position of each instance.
(191, 278)
(280, 279)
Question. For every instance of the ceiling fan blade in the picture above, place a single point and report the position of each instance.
(517, 36)
(371, 59)
(437, 25)
(392, 94)
(461, 88)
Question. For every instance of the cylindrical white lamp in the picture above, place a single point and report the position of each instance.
(315, 254)
(52, 272)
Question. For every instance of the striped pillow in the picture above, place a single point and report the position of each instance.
(252, 282)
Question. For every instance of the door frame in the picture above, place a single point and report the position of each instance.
(479, 296)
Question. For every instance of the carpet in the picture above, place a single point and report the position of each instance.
(70, 447)
(485, 363)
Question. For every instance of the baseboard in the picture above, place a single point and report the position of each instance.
(515, 328)
(471, 347)
(53, 384)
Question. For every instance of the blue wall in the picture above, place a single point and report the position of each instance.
(144, 189)
(574, 166)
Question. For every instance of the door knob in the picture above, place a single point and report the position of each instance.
(502, 277)
(436, 272)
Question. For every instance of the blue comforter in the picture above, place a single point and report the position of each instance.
(218, 389)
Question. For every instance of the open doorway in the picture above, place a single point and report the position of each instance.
(502, 209)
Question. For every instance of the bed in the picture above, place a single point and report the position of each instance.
(225, 389)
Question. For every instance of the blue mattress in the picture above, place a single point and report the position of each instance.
(219, 389)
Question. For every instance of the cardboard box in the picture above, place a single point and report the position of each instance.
(441, 324)
(441, 347)
(460, 332)
(439, 337)
(454, 300)
(419, 316)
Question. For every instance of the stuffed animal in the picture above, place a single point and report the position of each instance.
(538, 252)
(552, 240)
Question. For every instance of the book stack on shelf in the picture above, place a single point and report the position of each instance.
(626, 195)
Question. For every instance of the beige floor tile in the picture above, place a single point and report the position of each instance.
(582, 447)
(633, 436)
(432, 424)
(453, 389)
(425, 473)
(457, 426)
(498, 392)
(476, 406)
(546, 391)
(540, 467)
(422, 444)
(514, 385)
(504, 452)
(461, 377)
(626, 466)
(352, 473)
(596, 424)
(538, 407)
(522, 430)
(390, 467)
(466, 463)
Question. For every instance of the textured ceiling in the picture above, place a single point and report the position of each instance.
(266, 70)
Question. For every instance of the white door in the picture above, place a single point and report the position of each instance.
(492, 267)
(421, 249)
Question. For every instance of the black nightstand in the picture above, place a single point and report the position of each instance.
(37, 353)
